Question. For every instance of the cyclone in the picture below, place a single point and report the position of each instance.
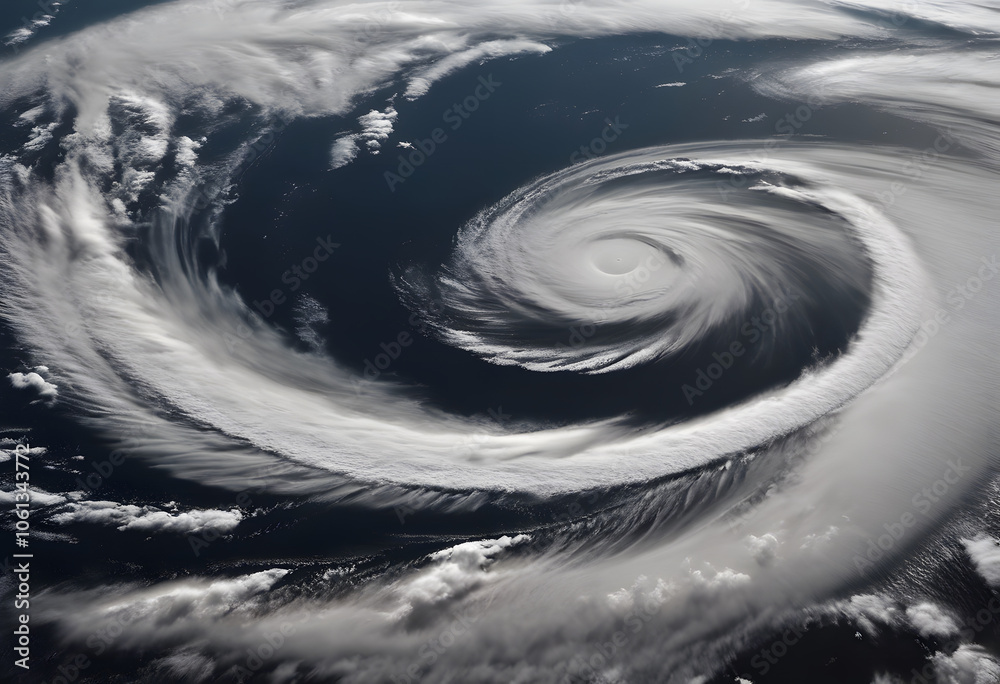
(321, 310)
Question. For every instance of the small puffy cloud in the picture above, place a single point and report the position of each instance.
(814, 540)
(343, 151)
(930, 621)
(33, 381)
(869, 611)
(969, 664)
(454, 572)
(713, 579)
(884, 678)
(985, 555)
(376, 127)
(764, 548)
(872, 612)
(148, 518)
(18, 36)
(476, 554)
(643, 593)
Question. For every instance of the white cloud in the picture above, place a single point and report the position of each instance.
(818, 540)
(869, 611)
(196, 597)
(148, 518)
(420, 84)
(931, 621)
(967, 665)
(46, 391)
(343, 151)
(884, 678)
(455, 570)
(18, 36)
(40, 136)
(376, 127)
(309, 317)
(643, 592)
(764, 548)
(873, 612)
(985, 555)
(716, 579)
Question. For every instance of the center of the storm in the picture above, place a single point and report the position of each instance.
(618, 256)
